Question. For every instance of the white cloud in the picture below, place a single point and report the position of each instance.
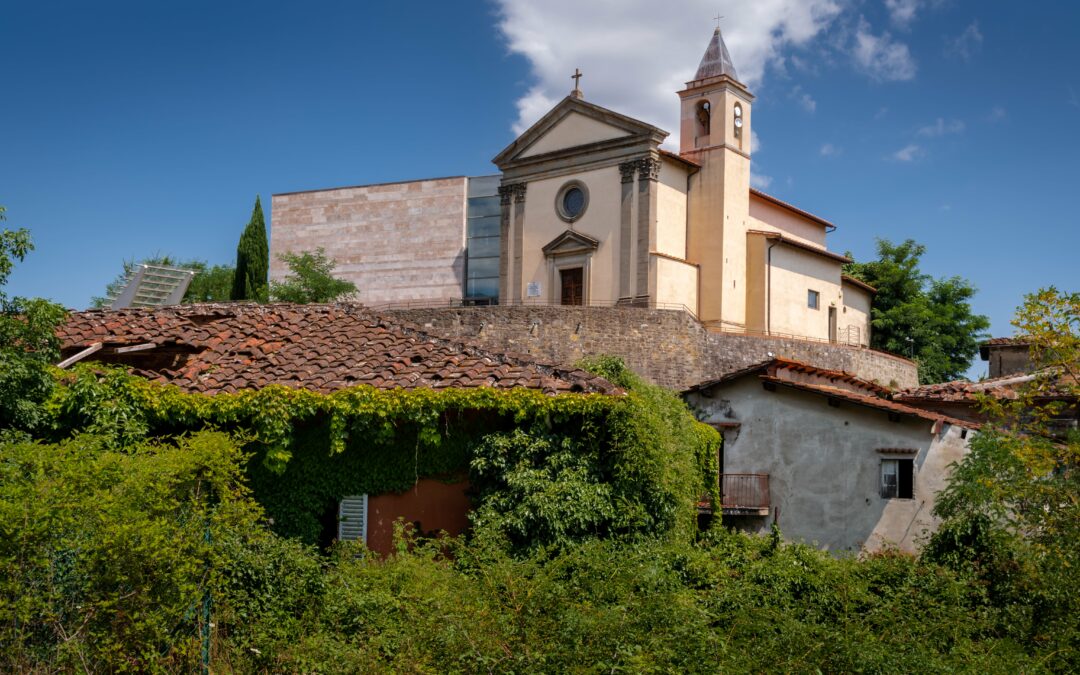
(902, 12)
(998, 114)
(941, 128)
(759, 181)
(881, 57)
(755, 142)
(908, 153)
(635, 56)
(804, 99)
(967, 44)
(829, 150)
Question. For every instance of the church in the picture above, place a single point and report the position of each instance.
(589, 209)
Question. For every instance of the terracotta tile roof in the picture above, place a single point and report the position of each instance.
(844, 278)
(870, 401)
(832, 383)
(754, 192)
(1005, 387)
(795, 243)
(679, 158)
(229, 347)
(1017, 341)
(775, 367)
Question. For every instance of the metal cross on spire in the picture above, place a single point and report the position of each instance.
(576, 77)
(718, 17)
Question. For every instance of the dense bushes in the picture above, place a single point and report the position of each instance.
(105, 564)
(105, 556)
(728, 603)
(124, 549)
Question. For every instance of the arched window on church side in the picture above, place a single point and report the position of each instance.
(704, 118)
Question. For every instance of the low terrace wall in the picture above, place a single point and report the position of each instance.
(669, 347)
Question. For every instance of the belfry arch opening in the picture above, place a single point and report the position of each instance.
(703, 113)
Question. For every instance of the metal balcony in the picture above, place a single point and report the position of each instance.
(742, 494)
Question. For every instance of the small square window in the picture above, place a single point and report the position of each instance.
(813, 299)
(897, 478)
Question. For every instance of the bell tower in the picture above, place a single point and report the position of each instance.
(715, 133)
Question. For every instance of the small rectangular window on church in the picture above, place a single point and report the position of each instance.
(813, 299)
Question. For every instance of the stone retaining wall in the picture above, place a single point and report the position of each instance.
(670, 347)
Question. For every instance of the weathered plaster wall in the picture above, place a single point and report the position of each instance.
(396, 241)
(669, 347)
(824, 466)
(1009, 359)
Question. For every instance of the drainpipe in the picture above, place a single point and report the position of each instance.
(768, 289)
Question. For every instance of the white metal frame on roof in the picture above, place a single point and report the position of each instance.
(154, 286)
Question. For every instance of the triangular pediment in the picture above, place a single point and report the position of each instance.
(575, 123)
(571, 242)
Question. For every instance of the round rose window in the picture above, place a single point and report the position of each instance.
(572, 201)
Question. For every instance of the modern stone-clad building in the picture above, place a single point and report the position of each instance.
(589, 209)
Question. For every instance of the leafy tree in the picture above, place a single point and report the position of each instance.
(252, 259)
(311, 279)
(914, 315)
(28, 343)
(210, 283)
(1011, 512)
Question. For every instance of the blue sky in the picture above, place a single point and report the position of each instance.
(133, 128)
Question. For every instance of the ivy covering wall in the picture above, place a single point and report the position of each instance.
(545, 469)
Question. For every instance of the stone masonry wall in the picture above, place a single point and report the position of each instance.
(670, 347)
(395, 241)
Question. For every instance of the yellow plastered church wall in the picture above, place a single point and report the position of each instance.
(794, 273)
(600, 221)
(576, 129)
(767, 216)
(676, 283)
(855, 315)
(671, 210)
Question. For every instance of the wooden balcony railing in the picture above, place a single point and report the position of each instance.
(743, 494)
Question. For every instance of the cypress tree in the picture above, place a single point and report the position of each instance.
(252, 259)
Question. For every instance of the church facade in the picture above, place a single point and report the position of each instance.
(589, 209)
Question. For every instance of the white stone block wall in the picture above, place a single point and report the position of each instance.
(397, 241)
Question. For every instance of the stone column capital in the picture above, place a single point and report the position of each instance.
(648, 168)
(627, 169)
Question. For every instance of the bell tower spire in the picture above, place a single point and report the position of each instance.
(715, 133)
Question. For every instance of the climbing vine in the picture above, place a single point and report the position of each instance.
(307, 449)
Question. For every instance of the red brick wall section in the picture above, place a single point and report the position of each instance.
(436, 505)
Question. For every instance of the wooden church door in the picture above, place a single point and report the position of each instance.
(572, 286)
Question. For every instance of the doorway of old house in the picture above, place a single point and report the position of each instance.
(572, 283)
(832, 324)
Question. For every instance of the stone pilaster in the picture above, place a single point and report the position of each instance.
(648, 175)
(506, 193)
(519, 238)
(626, 263)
